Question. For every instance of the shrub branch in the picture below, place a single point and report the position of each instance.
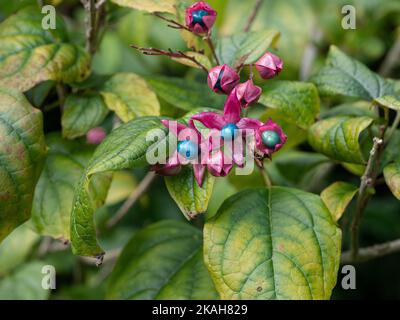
(369, 253)
(169, 53)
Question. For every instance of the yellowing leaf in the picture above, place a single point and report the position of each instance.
(337, 137)
(22, 153)
(149, 5)
(337, 197)
(29, 54)
(129, 96)
(273, 244)
(201, 58)
(188, 195)
(392, 178)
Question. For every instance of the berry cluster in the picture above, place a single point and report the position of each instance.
(221, 149)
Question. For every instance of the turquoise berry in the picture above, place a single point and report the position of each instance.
(229, 131)
(188, 149)
(270, 138)
(198, 17)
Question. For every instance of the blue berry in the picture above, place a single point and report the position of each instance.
(229, 131)
(270, 138)
(198, 17)
(188, 149)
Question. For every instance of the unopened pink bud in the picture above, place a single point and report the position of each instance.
(95, 135)
(247, 93)
(269, 65)
(222, 79)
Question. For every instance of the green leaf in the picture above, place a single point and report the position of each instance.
(129, 96)
(125, 147)
(245, 47)
(82, 113)
(392, 177)
(24, 284)
(190, 198)
(22, 153)
(295, 134)
(390, 102)
(298, 102)
(356, 169)
(16, 248)
(356, 109)
(186, 94)
(300, 169)
(162, 261)
(273, 244)
(338, 137)
(29, 54)
(343, 75)
(123, 182)
(149, 5)
(392, 149)
(203, 59)
(337, 197)
(54, 192)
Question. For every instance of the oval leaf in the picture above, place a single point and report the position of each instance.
(343, 75)
(273, 244)
(16, 248)
(54, 192)
(338, 137)
(388, 102)
(82, 113)
(297, 101)
(392, 178)
(337, 197)
(149, 5)
(129, 96)
(24, 284)
(30, 54)
(22, 153)
(125, 147)
(162, 261)
(245, 47)
(203, 59)
(190, 198)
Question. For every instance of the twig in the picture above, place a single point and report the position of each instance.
(136, 194)
(211, 46)
(364, 195)
(172, 23)
(176, 25)
(372, 252)
(108, 257)
(392, 58)
(94, 20)
(264, 174)
(253, 15)
(169, 53)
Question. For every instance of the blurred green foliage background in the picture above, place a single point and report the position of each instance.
(304, 25)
